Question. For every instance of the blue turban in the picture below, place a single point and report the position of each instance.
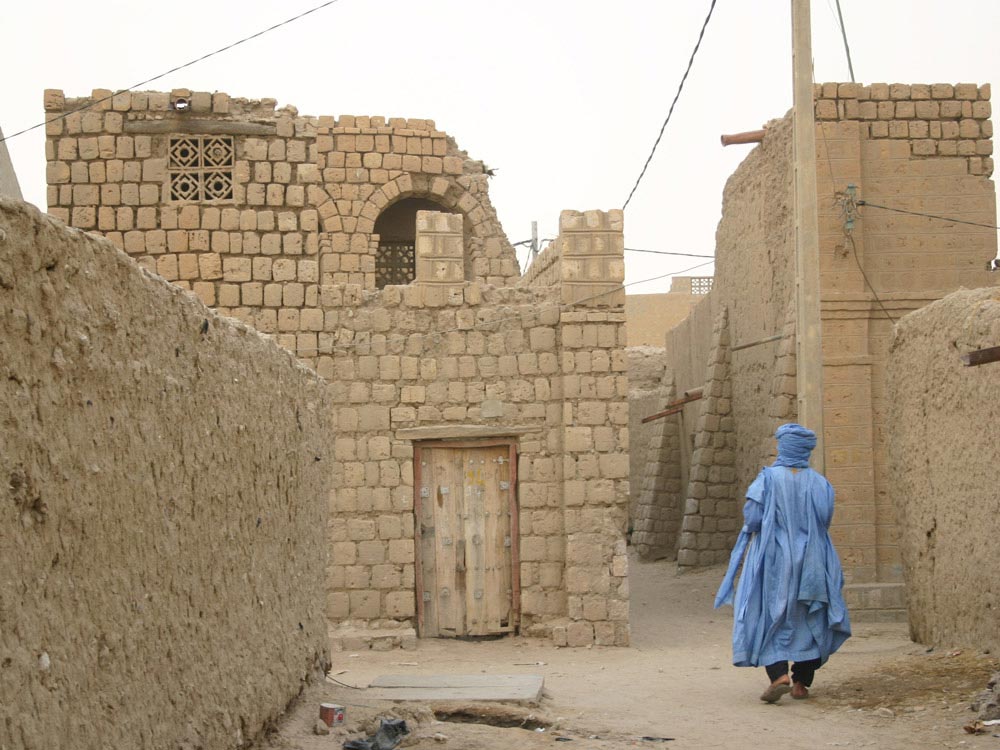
(795, 443)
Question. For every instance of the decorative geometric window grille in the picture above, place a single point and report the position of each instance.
(395, 264)
(200, 167)
(701, 284)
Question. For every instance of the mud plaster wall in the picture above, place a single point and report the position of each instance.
(650, 316)
(944, 434)
(917, 147)
(162, 505)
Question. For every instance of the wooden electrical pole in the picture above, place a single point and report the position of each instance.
(808, 339)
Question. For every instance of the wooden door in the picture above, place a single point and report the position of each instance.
(466, 538)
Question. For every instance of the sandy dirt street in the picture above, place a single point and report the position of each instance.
(676, 681)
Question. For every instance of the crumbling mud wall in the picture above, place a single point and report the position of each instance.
(163, 473)
(944, 448)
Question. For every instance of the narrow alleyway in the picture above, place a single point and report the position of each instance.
(675, 681)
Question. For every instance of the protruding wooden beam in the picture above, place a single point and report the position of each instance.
(981, 356)
(675, 406)
(751, 136)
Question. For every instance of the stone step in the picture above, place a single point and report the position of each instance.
(876, 602)
(375, 639)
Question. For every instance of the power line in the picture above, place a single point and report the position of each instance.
(667, 252)
(172, 70)
(854, 249)
(929, 216)
(847, 47)
(633, 250)
(680, 88)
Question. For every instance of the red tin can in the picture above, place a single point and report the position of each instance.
(331, 714)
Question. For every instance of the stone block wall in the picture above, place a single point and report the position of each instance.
(162, 501)
(939, 119)
(943, 449)
(656, 474)
(298, 215)
(467, 349)
(463, 360)
(646, 396)
(544, 270)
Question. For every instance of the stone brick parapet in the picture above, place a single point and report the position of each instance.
(592, 244)
(939, 119)
(544, 269)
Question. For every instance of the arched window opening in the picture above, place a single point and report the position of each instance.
(396, 227)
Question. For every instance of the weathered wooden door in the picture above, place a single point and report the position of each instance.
(465, 506)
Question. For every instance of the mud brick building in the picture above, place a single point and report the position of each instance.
(914, 150)
(480, 418)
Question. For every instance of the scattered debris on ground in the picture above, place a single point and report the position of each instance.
(987, 703)
(915, 682)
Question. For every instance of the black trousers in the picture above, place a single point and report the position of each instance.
(802, 671)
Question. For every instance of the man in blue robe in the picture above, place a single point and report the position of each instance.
(789, 605)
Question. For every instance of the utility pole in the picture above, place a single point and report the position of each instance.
(808, 340)
(534, 240)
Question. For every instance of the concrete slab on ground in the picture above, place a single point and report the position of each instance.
(457, 687)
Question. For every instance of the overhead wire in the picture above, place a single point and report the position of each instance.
(176, 68)
(670, 112)
(847, 47)
(950, 219)
(667, 252)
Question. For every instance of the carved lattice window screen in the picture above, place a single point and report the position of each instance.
(701, 284)
(395, 264)
(200, 167)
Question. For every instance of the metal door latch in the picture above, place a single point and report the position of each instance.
(425, 492)
(505, 485)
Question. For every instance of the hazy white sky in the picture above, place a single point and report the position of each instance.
(563, 98)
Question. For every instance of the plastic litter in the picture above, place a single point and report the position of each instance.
(390, 732)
